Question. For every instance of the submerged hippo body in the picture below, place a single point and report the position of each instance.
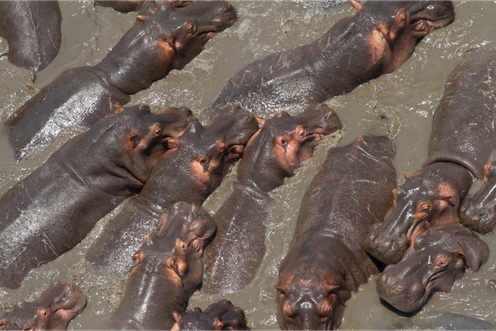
(32, 30)
(53, 310)
(221, 315)
(273, 154)
(462, 138)
(358, 48)
(169, 269)
(326, 260)
(190, 171)
(433, 263)
(52, 210)
(166, 39)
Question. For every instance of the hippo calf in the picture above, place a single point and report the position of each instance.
(32, 30)
(54, 208)
(326, 260)
(189, 171)
(218, 316)
(374, 41)
(165, 38)
(461, 141)
(169, 269)
(272, 154)
(433, 263)
(53, 310)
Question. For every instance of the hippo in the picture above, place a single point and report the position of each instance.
(168, 38)
(477, 211)
(272, 154)
(53, 209)
(53, 310)
(459, 147)
(326, 260)
(32, 30)
(374, 41)
(169, 269)
(432, 263)
(190, 171)
(221, 315)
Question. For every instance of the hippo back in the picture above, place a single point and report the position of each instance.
(463, 130)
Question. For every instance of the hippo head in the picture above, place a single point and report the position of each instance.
(282, 144)
(218, 316)
(167, 35)
(395, 27)
(125, 147)
(185, 231)
(311, 301)
(53, 310)
(197, 161)
(418, 202)
(433, 263)
(478, 211)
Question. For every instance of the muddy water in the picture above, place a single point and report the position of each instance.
(399, 104)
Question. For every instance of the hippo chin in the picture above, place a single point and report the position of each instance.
(165, 38)
(273, 154)
(432, 264)
(478, 211)
(53, 310)
(189, 171)
(374, 41)
(169, 270)
(218, 316)
(54, 208)
(325, 261)
(461, 141)
(32, 30)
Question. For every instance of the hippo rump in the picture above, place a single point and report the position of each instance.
(169, 270)
(189, 171)
(374, 41)
(432, 264)
(53, 310)
(54, 208)
(32, 30)
(326, 260)
(274, 153)
(221, 315)
(168, 38)
(461, 141)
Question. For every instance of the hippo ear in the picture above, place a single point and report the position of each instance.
(218, 324)
(406, 174)
(173, 143)
(3, 321)
(474, 251)
(402, 18)
(260, 120)
(356, 4)
(133, 140)
(177, 316)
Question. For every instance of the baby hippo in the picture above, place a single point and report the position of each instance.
(53, 310)
(218, 316)
(433, 263)
(169, 270)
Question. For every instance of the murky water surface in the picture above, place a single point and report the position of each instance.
(399, 104)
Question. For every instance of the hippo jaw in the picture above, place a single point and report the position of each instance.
(55, 308)
(478, 211)
(433, 15)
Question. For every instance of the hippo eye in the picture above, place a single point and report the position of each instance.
(283, 142)
(191, 29)
(203, 160)
(158, 132)
(27, 328)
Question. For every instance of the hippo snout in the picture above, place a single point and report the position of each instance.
(478, 217)
(384, 248)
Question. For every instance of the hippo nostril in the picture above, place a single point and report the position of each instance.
(386, 244)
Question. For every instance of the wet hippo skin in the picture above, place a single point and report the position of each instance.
(433, 263)
(326, 260)
(32, 30)
(54, 208)
(169, 269)
(190, 171)
(53, 310)
(221, 315)
(273, 153)
(168, 38)
(461, 140)
(374, 41)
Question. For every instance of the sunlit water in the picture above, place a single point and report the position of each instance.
(399, 104)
